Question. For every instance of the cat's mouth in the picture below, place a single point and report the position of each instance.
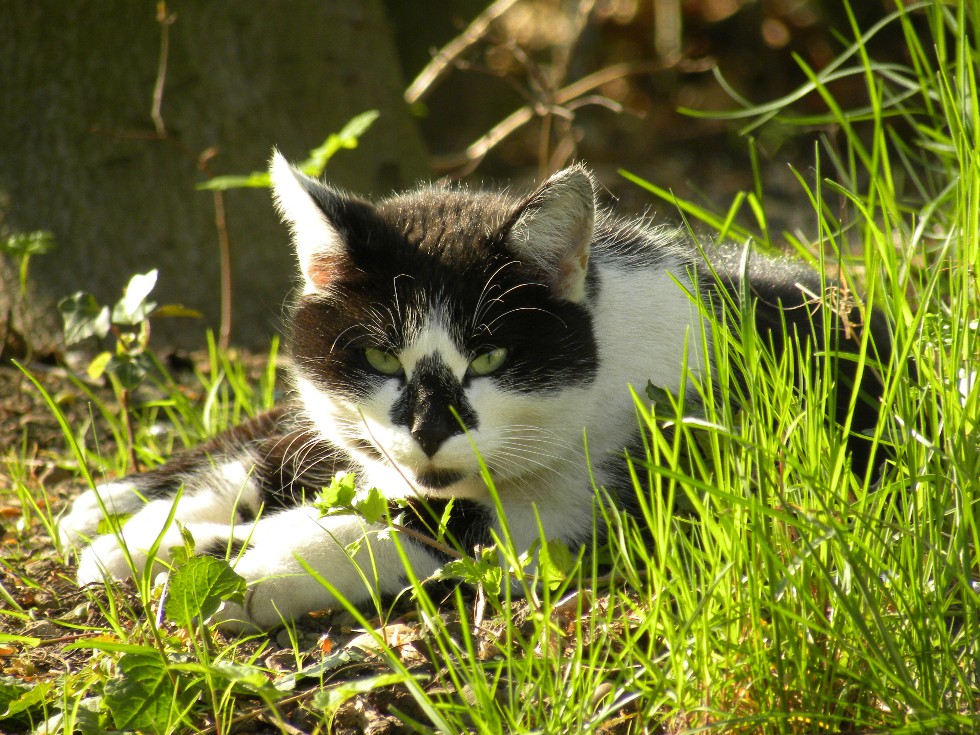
(438, 479)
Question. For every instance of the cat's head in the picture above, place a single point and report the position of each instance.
(439, 311)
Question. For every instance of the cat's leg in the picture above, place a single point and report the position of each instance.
(80, 524)
(221, 495)
(358, 559)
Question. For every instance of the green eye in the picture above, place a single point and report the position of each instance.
(384, 362)
(488, 362)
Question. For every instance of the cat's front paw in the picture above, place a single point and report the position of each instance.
(273, 601)
(81, 523)
(103, 559)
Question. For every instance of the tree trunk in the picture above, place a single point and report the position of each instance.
(82, 156)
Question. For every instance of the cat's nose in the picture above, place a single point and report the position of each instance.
(431, 438)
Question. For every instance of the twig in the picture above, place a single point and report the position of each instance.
(165, 22)
(439, 66)
(224, 257)
(477, 150)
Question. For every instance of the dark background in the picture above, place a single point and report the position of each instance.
(82, 156)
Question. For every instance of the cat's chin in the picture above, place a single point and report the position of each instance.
(436, 479)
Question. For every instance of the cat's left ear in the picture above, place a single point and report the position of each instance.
(552, 231)
(312, 211)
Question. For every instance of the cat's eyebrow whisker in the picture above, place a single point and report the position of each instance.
(480, 305)
(337, 338)
(489, 325)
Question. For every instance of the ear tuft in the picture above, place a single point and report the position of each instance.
(552, 231)
(303, 204)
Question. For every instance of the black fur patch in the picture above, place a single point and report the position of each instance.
(440, 249)
(468, 525)
(230, 549)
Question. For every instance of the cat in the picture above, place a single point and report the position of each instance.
(440, 327)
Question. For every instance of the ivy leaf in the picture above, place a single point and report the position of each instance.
(141, 695)
(133, 308)
(129, 370)
(373, 507)
(198, 587)
(83, 317)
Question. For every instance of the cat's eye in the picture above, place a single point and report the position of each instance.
(384, 362)
(488, 362)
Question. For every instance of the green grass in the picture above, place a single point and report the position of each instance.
(773, 592)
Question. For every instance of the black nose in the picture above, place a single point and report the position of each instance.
(430, 438)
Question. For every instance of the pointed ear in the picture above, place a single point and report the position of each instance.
(310, 209)
(552, 231)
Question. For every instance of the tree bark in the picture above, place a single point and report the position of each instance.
(81, 154)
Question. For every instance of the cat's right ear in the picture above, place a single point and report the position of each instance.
(552, 231)
(310, 210)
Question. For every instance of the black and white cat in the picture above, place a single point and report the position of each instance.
(523, 321)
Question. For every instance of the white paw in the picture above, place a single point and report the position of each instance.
(81, 522)
(103, 559)
(273, 601)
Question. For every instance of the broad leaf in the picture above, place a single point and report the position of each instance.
(373, 507)
(83, 317)
(129, 370)
(339, 494)
(17, 697)
(133, 307)
(198, 588)
(141, 696)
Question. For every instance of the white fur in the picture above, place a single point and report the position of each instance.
(313, 234)
(218, 494)
(555, 232)
(643, 321)
(80, 523)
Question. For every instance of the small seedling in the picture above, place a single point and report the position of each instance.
(21, 247)
(128, 320)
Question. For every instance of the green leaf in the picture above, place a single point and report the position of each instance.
(312, 166)
(555, 562)
(373, 507)
(255, 180)
(659, 395)
(141, 696)
(346, 138)
(249, 678)
(98, 365)
(198, 588)
(22, 640)
(25, 244)
(485, 571)
(170, 311)
(316, 671)
(339, 495)
(329, 700)
(83, 317)
(133, 307)
(129, 370)
(444, 520)
(17, 697)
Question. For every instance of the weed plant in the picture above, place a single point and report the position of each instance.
(765, 589)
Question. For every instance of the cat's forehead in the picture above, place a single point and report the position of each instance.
(435, 338)
(446, 221)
